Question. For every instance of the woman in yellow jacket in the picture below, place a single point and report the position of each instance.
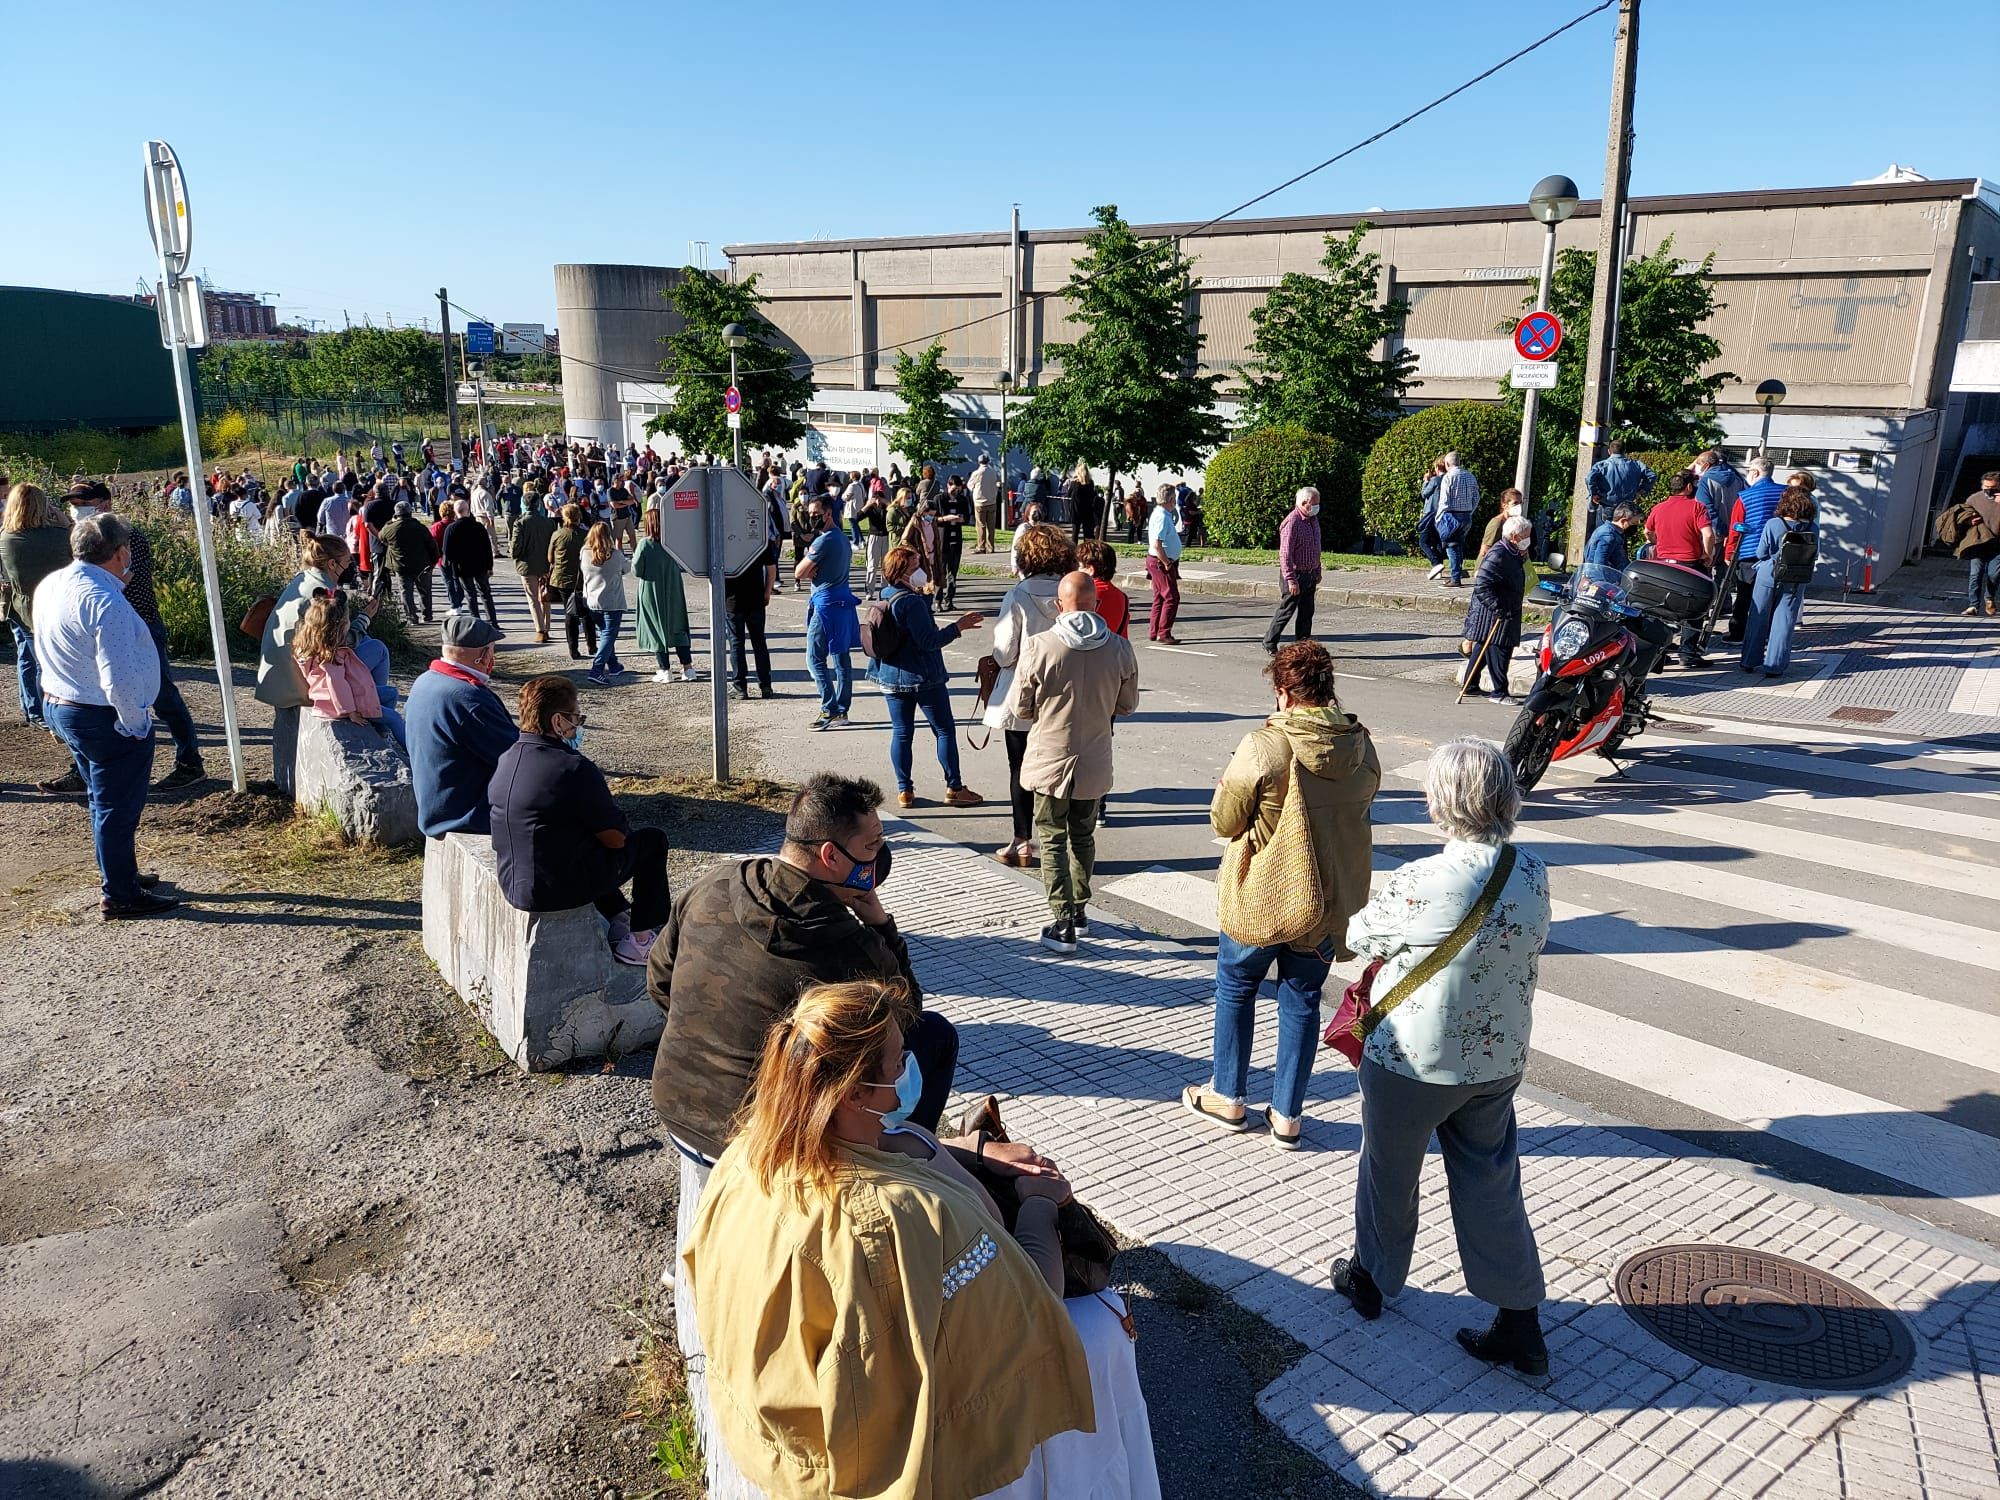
(870, 1327)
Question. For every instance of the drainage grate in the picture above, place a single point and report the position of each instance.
(1765, 1316)
(1864, 715)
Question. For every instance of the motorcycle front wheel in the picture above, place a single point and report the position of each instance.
(1530, 746)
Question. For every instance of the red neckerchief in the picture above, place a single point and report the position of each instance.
(452, 669)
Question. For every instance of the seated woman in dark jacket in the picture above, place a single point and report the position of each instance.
(912, 675)
(559, 840)
(1493, 622)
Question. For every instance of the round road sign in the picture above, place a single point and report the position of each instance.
(733, 399)
(1538, 336)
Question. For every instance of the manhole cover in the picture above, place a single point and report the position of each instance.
(1764, 1316)
(1864, 715)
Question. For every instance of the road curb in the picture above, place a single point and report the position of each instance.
(1450, 605)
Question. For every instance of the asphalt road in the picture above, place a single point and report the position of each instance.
(1771, 944)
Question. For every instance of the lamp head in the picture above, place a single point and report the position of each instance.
(734, 336)
(1003, 379)
(1553, 199)
(1770, 393)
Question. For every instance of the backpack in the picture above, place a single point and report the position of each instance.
(881, 636)
(1797, 554)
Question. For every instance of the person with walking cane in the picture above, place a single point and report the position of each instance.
(1493, 623)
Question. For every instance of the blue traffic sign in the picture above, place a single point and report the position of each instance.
(1538, 335)
(478, 338)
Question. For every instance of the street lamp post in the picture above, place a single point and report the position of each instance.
(1553, 200)
(1770, 396)
(1004, 379)
(734, 336)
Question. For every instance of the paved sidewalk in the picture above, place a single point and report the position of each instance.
(1089, 1055)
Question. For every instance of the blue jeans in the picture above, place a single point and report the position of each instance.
(1982, 583)
(1454, 550)
(1239, 973)
(453, 590)
(605, 662)
(831, 673)
(1427, 540)
(115, 770)
(1774, 614)
(171, 709)
(27, 675)
(936, 703)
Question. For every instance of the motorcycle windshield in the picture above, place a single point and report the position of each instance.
(1599, 586)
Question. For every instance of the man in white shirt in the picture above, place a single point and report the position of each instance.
(984, 483)
(100, 675)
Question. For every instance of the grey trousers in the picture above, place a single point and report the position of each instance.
(1474, 1123)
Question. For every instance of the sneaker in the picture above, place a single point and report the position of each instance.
(694, 674)
(1358, 1287)
(1499, 698)
(1080, 920)
(663, 676)
(597, 677)
(1968, 610)
(962, 796)
(1286, 1134)
(740, 693)
(906, 799)
(148, 905)
(632, 949)
(838, 721)
(184, 773)
(69, 784)
(1059, 937)
(1436, 572)
(822, 722)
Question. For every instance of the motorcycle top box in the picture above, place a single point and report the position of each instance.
(1671, 589)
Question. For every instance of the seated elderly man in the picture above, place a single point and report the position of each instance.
(747, 937)
(457, 729)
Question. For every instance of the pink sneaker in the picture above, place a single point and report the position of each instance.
(634, 949)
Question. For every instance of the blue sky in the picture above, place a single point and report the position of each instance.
(328, 162)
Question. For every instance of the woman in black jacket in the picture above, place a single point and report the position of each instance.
(1493, 622)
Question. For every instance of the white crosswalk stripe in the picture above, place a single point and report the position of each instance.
(1861, 973)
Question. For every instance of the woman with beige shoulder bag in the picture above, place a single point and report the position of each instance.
(1293, 804)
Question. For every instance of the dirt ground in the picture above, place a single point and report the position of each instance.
(277, 1219)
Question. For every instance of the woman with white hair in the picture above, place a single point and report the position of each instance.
(1457, 937)
(1493, 622)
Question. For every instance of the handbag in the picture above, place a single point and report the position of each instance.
(1272, 896)
(988, 673)
(257, 616)
(1088, 1248)
(1356, 1018)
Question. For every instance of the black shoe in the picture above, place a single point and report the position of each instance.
(740, 693)
(1059, 937)
(766, 691)
(148, 905)
(1513, 1338)
(184, 773)
(69, 784)
(1358, 1287)
(147, 880)
(1693, 663)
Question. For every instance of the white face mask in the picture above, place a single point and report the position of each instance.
(919, 578)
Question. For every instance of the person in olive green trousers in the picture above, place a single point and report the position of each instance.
(530, 551)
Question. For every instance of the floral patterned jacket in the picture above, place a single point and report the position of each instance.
(1470, 1022)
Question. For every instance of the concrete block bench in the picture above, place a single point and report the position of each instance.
(358, 774)
(544, 983)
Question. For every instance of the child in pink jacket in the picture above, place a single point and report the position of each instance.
(340, 686)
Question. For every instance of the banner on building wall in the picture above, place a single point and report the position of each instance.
(842, 448)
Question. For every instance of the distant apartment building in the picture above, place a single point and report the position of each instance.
(239, 315)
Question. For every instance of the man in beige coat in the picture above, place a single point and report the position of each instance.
(1073, 679)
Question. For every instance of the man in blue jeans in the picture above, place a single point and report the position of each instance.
(100, 675)
(1458, 498)
(833, 628)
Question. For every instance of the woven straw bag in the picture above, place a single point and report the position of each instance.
(1272, 895)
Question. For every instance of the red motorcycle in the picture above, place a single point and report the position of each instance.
(1608, 636)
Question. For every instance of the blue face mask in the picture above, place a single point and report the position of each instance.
(909, 1087)
(574, 739)
(866, 875)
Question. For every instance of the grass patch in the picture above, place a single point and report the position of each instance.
(660, 1401)
(259, 837)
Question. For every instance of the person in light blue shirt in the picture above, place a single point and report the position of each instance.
(334, 511)
(1163, 564)
(833, 625)
(100, 673)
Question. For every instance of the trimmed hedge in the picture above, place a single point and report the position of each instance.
(1665, 464)
(1252, 482)
(1486, 440)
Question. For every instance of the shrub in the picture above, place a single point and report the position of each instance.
(226, 434)
(1486, 439)
(1665, 464)
(1251, 483)
(247, 571)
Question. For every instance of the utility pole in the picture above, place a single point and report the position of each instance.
(1603, 298)
(450, 391)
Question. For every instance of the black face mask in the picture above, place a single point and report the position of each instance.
(871, 876)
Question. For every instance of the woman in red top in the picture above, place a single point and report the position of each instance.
(1100, 560)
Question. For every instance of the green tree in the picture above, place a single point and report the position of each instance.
(775, 395)
(1130, 390)
(1315, 364)
(922, 431)
(1485, 438)
(1660, 396)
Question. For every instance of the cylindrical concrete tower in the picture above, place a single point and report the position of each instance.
(613, 317)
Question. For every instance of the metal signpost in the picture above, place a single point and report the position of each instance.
(715, 513)
(183, 327)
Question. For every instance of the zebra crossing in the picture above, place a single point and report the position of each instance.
(1792, 940)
